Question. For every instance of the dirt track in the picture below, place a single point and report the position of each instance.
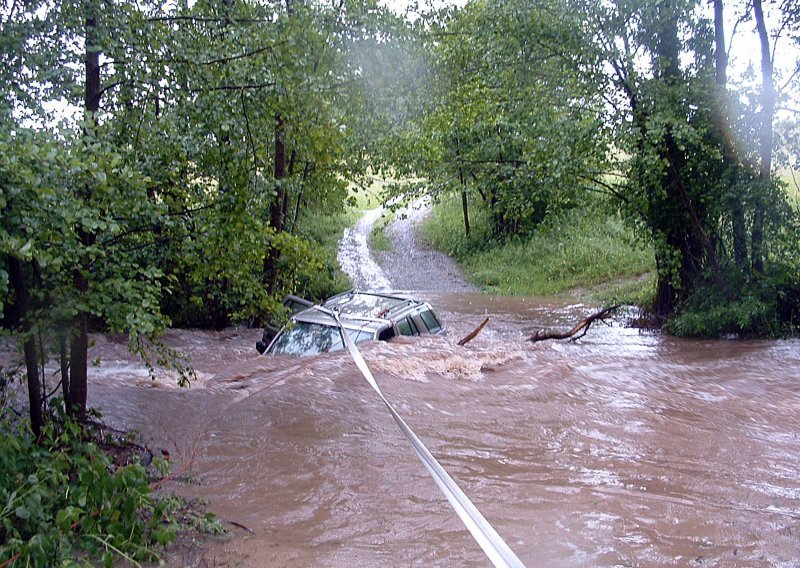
(412, 264)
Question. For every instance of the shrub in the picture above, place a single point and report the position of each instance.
(64, 502)
(769, 309)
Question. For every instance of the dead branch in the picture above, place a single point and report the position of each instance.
(474, 333)
(11, 560)
(185, 467)
(240, 525)
(583, 326)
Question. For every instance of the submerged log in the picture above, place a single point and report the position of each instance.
(581, 328)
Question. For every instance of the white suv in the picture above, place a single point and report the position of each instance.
(365, 316)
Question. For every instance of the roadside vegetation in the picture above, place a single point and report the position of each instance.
(378, 239)
(323, 231)
(585, 251)
(530, 109)
(76, 496)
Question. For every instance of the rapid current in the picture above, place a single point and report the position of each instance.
(625, 448)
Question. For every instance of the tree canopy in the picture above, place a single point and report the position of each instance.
(197, 141)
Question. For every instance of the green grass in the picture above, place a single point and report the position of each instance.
(585, 252)
(371, 195)
(374, 195)
(325, 229)
(378, 239)
(792, 180)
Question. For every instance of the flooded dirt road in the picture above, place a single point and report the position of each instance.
(625, 448)
(412, 264)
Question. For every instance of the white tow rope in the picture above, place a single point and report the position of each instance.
(489, 540)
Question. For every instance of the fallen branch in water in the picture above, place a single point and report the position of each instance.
(474, 333)
(541, 335)
(240, 525)
(186, 466)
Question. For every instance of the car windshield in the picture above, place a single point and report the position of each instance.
(302, 339)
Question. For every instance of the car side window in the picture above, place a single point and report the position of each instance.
(362, 336)
(406, 326)
(430, 321)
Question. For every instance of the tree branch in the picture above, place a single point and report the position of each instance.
(610, 190)
(583, 326)
(233, 87)
(207, 20)
(473, 334)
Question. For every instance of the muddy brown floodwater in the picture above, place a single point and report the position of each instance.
(625, 448)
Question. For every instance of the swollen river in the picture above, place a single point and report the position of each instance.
(624, 448)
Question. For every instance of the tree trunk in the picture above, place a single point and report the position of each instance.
(730, 157)
(720, 53)
(20, 307)
(34, 385)
(464, 202)
(63, 347)
(287, 198)
(765, 140)
(79, 339)
(78, 357)
(276, 208)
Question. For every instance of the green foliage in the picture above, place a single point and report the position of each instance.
(322, 231)
(511, 114)
(185, 516)
(770, 308)
(63, 498)
(583, 248)
(167, 206)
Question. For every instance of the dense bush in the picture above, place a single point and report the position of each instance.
(65, 503)
(770, 308)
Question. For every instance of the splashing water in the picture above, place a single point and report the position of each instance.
(355, 258)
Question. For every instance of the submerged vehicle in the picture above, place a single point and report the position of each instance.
(365, 316)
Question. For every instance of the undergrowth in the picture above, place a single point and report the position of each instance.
(584, 251)
(324, 229)
(66, 502)
(769, 309)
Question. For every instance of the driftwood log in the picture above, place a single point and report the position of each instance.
(474, 333)
(581, 328)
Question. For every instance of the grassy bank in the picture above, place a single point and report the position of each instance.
(324, 229)
(585, 252)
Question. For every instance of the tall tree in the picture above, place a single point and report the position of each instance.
(764, 135)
